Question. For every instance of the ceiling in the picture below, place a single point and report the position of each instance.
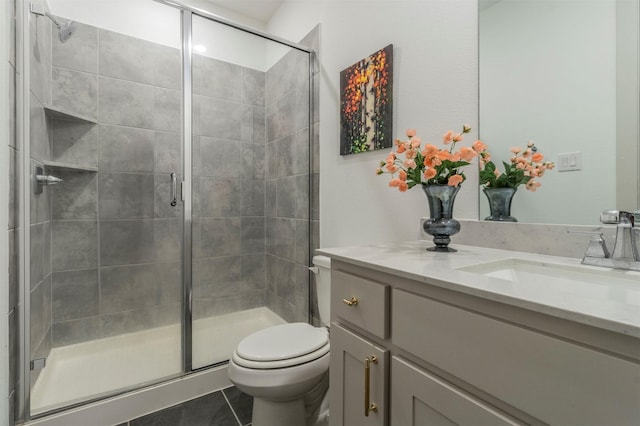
(261, 10)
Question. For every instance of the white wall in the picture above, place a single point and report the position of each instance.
(435, 89)
(548, 74)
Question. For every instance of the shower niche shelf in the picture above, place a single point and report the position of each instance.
(69, 167)
(58, 113)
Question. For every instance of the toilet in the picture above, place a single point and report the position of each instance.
(285, 368)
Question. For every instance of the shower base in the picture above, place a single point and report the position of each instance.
(98, 368)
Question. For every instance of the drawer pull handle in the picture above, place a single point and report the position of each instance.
(368, 407)
(350, 302)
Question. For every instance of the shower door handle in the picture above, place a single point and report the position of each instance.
(174, 190)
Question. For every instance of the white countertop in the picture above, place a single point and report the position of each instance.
(613, 304)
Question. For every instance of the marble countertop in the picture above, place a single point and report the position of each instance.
(612, 304)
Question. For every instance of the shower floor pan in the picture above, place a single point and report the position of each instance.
(89, 370)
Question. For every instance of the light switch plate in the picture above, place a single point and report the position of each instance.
(569, 162)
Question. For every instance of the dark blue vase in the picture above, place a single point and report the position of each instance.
(500, 204)
(441, 224)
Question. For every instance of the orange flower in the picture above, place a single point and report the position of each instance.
(402, 175)
(479, 146)
(411, 133)
(443, 155)
(429, 151)
(467, 153)
(537, 157)
(455, 180)
(430, 173)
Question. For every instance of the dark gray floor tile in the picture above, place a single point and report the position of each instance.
(241, 403)
(168, 417)
(208, 410)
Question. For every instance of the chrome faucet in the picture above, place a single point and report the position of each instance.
(625, 253)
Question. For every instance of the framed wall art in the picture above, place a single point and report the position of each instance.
(366, 103)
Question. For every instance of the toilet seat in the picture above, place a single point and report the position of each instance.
(282, 346)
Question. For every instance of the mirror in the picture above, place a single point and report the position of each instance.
(563, 74)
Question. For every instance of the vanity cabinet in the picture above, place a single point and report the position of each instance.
(450, 358)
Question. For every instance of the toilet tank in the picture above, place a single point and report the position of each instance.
(323, 286)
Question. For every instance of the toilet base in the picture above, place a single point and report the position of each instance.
(270, 413)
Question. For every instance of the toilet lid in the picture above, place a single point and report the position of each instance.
(282, 342)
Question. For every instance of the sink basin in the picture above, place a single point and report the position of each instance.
(565, 277)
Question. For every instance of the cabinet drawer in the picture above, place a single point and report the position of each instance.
(370, 312)
(419, 398)
(551, 379)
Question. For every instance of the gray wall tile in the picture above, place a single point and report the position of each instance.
(301, 247)
(301, 152)
(220, 80)
(76, 245)
(252, 200)
(220, 118)
(167, 235)
(40, 314)
(75, 143)
(40, 58)
(125, 57)
(219, 158)
(301, 195)
(126, 149)
(254, 271)
(126, 242)
(124, 288)
(76, 331)
(76, 197)
(253, 235)
(259, 125)
(80, 52)
(253, 82)
(39, 131)
(168, 71)
(75, 91)
(36, 247)
(167, 112)
(167, 151)
(217, 197)
(140, 319)
(216, 237)
(125, 103)
(75, 294)
(126, 195)
(226, 304)
(286, 197)
(217, 276)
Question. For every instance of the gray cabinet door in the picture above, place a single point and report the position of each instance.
(347, 374)
(420, 398)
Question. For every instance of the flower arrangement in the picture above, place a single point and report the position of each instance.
(429, 165)
(526, 165)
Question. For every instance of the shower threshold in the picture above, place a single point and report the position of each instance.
(90, 370)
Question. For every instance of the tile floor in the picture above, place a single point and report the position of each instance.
(227, 407)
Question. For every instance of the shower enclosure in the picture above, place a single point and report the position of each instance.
(170, 196)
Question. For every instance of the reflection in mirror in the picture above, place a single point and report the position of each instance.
(563, 74)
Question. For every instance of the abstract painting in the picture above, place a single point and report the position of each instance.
(366, 103)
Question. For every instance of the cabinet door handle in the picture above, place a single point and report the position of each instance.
(350, 302)
(368, 406)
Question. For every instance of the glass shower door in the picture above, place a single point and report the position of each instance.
(106, 242)
(250, 101)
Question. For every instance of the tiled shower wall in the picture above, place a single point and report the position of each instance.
(289, 213)
(228, 187)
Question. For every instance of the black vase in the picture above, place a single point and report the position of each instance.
(441, 224)
(500, 204)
